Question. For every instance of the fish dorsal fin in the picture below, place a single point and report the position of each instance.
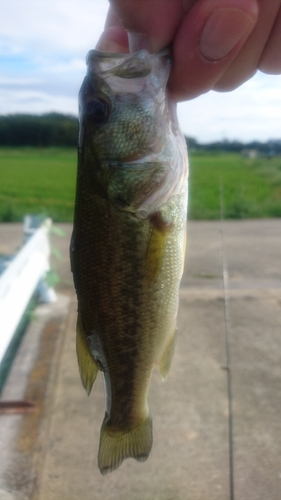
(87, 366)
(166, 358)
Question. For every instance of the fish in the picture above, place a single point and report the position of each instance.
(128, 242)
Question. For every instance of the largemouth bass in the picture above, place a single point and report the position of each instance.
(128, 240)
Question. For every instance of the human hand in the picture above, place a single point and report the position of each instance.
(216, 44)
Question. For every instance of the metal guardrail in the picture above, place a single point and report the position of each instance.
(24, 274)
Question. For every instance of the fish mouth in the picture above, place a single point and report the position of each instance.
(136, 65)
(96, 54)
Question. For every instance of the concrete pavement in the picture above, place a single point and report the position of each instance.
(51, 454)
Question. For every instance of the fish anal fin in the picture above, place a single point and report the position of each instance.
(166, 358)
(88, 368)
(116, 446)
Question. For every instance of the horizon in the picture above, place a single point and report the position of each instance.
(199, 143)
(42, 53)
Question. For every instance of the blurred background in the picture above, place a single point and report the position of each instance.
(234, 143)
(233, 138)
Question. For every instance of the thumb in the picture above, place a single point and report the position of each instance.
(207, 41)
(113, 39)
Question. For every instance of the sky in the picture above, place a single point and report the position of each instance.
(43, 44)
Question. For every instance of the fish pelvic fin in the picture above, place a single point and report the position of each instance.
(166, 358)
(116, 445)
(88, 368)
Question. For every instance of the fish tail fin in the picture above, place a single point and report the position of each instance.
(117, 445)
(87, 366)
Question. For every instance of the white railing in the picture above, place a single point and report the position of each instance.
(23, 275)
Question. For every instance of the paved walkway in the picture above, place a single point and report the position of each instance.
(51, 454)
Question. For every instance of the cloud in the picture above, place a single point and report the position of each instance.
(37, 102)
(251, 112)
(52, 27)
(43, 45)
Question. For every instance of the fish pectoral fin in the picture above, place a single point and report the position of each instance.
(116, 445)
(166, 358)
(154, 254)
(88, 368)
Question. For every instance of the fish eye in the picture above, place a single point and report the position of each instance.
(97, 110)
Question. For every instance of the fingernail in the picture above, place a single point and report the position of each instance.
(138, 41)
(110, 46)
(224, 29)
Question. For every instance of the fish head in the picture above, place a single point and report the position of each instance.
(127, 125)
(118, 100)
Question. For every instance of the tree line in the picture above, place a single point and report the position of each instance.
(271, 147)
(51, 129)
(57, 129)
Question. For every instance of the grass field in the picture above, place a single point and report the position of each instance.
(43, 181)
(249, 188)
(37, 181)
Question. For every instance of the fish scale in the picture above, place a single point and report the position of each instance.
(127, 247)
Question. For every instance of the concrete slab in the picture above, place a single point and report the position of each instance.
(30, 379)
(189, 459)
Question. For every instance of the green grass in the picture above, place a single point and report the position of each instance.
(251, 188)
(42, 181)
(38, 181)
